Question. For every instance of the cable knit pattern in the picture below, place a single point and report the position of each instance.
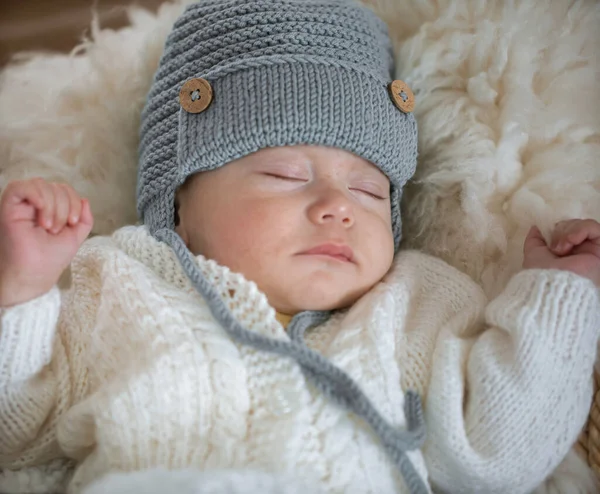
(132, 373)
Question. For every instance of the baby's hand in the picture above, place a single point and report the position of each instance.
(575, 247)
(42, 225)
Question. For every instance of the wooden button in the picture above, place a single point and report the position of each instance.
(403, 97)
(195, 95)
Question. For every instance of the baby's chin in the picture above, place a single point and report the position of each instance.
(319, 298)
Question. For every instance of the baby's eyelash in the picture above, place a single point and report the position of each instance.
(298, 179)
(284, 177)
(374, 196)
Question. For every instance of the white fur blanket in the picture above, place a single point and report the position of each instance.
(508, 104)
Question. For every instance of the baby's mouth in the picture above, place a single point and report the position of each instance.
(341, 252)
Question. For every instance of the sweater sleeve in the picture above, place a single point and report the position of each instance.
(504, 407)
(36, 381)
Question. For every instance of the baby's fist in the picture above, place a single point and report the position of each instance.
(42, 225)
(575, 247)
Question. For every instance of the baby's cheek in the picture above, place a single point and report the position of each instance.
(242, 238)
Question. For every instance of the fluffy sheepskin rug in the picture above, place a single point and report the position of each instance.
(508, 103)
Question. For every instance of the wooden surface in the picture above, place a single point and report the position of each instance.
(55, 25)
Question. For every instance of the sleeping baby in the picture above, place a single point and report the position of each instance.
(261, 330)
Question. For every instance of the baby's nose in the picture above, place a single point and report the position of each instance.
(333, 206)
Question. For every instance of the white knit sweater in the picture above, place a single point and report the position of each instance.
(130, 372)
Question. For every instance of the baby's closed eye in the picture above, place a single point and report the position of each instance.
(372, 190)
(286, 172)
(284, 176)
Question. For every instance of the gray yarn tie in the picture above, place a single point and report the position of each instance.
(329, 379)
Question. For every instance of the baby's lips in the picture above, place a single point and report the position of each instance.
(334, 250)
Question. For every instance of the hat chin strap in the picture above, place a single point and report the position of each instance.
(329, 379)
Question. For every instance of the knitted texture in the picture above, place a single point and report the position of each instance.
(142, 376)
(283, 72)
(326, 377)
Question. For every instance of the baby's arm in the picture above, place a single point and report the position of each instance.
(504, 408)
(35, 384)
(41, 227)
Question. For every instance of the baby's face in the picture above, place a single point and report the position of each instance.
(263, 214)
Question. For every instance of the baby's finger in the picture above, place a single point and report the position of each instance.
(75, 205)
(86, 221)
(560, 244)
(587, 248)
(575, 232)
(86, 213)
(46, 213)
(61, 209)
(22, 191)
(592, 227)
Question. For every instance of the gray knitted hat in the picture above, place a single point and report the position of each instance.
(271, 73)
(237, 76)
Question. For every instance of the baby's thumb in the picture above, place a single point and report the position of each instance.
(85, 223)
(534, 239)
